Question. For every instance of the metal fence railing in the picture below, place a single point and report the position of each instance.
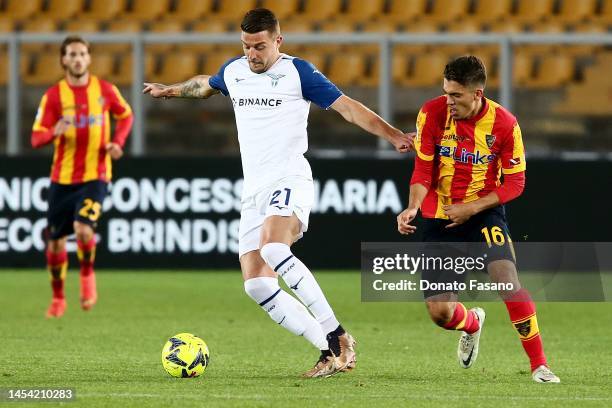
(385, 42)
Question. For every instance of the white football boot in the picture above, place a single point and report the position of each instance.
(542, 374)
(467, 352)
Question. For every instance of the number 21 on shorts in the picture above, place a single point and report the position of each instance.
(279, 196)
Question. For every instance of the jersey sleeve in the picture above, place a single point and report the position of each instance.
(217, 81)
(513, 151)
(425, 148)
(315, 86)
(46, 118)
(118, 106)
(120, 110)
(512, 187)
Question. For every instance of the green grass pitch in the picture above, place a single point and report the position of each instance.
(111, 355)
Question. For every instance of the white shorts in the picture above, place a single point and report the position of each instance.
(290, 195)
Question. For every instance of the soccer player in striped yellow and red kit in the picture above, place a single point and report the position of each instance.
(464, 143)
(74, 115)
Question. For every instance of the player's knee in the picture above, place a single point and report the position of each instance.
(267, 239)
(56, 246)
(274, 253)
(277, 229)
(440, 312)
(83, 231)
(504, 271)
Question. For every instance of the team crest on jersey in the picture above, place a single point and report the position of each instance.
(490, 139)
(275, 78)
(102, 101)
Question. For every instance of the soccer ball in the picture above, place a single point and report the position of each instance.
(185, 355)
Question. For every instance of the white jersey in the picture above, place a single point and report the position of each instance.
(271, 112)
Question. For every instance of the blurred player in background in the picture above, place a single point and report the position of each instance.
(271, 93)
(74, 115)
(464, 143)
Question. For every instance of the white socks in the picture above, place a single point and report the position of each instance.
(285, 310)
(299, 278)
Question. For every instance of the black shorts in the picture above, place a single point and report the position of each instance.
(74, 202)
(485, 235)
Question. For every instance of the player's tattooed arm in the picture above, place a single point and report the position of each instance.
(196, 87)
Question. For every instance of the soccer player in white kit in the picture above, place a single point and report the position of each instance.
(271, 93)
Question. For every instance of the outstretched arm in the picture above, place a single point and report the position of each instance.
(196, 87)
(356, 112)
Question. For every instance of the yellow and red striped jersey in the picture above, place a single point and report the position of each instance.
(462, 160)
(80, 153)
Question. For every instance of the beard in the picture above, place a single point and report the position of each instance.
(76, 74)
(258, 69)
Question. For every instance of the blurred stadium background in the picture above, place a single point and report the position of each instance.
(175, 199)
(549, 61)
(562, 93)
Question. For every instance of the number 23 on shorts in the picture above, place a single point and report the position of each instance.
(91, 210)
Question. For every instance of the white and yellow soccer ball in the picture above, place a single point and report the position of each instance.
(185, 356)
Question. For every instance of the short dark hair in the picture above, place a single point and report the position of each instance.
(71, 40)
(467, 70)
(259, 19)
